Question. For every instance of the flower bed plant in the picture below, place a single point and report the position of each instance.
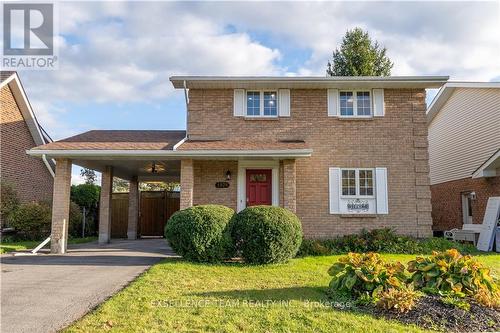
(460, 284)
(450, 273)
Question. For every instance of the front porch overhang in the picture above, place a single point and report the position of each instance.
(169, 154)
(134, 163)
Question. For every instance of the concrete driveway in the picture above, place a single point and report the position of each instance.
(45, 293)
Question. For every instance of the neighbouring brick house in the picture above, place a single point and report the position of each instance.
(32, 178)
(464, 152)
(344, 153)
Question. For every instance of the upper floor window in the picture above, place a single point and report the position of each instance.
(355, 104)
(357, 182)
(262, 104)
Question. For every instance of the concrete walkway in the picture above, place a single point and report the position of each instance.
(45, 293)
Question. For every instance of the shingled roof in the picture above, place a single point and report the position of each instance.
(242, 145)
(118, 140)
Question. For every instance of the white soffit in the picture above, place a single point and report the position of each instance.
(306, 82)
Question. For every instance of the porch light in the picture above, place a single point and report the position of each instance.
(228, 175)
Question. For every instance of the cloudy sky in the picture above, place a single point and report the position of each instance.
(116, 57)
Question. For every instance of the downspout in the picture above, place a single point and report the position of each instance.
(44, 158)
(186, 98)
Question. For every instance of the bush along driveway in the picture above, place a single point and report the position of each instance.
(179, 296)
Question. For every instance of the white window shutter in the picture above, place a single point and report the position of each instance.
(334, 184)
(333, 102)
(239, 102)
(378, 102)
(381, 190)
(284, 102)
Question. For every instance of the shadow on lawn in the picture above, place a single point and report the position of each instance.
(276, 294)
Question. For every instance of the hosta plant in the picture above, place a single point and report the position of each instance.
(450, 273)
(365, 274)
(401, 299)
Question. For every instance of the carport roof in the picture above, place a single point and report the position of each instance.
(118, 140)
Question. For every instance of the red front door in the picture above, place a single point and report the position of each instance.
(259, 187)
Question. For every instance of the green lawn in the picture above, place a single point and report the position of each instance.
(177, 296)
(28, 245)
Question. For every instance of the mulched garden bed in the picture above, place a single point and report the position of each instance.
(431, 313)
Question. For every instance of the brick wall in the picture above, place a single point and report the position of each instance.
(397, 141)
(206, 174)
(447, 201)
(27, 174)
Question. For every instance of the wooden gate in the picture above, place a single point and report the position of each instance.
(119, 215)
(156, 207)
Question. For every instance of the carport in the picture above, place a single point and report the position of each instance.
(136, 156)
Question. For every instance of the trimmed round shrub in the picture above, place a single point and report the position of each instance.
(266, 234)
(200, 233)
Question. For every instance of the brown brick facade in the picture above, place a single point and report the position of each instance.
(397, 141)
(206, 174)
(28, 175)
(447, 201)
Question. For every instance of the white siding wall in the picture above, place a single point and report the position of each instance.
(464, 134)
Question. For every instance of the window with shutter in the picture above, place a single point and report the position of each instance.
(358, 191)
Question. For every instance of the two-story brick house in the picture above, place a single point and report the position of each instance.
(343, 153)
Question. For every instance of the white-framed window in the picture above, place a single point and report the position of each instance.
(261, 103)
(357, 183)
(358, 190)
(355, 103)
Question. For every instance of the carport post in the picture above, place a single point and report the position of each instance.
(187, 183)
(133, 208)
(60, 206)
(105, 205)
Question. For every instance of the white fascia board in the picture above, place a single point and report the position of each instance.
(483, 170)
(447, 90)
(304, 81)
(170, 153)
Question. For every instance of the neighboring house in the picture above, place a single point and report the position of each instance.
(32, 178)
(464, 152)
(343, 153)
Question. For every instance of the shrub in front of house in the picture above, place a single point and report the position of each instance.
(200, 233)
(379, 240)
(266, 234)
(9, 202)
(32, 221)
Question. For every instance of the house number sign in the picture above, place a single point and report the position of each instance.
(358, 205)
(222, 185)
